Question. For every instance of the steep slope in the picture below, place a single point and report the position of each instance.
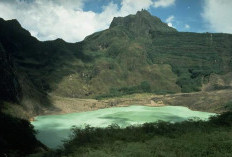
(138, 53)
(141, 49)
(141, 24)
(9, 90)
(28, 64)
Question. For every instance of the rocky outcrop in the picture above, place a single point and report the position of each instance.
(142, 23)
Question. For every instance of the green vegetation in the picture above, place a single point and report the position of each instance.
(115, 61)
(17, 137)
(228, 105)
(137, 54)
(189, 138)
(143, 87)
(169, 61)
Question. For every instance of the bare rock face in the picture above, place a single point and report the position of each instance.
(141, 23)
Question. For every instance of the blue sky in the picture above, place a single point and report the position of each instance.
(185, 12)
(73, 20)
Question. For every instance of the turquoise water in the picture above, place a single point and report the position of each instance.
(53, 129)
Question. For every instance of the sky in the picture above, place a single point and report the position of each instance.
(73, 20)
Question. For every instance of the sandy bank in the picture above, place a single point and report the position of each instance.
(63, 105)
(201, 101)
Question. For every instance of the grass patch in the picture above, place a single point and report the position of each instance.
(188, 138)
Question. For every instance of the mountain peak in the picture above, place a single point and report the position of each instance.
(140, 23)
(143, 12)
(12, 26)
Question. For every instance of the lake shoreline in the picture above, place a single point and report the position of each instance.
(53, 129)
(61, 111)
(213, 102)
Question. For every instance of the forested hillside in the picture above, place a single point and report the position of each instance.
(138, 53)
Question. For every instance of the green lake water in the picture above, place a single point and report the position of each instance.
(53, 129)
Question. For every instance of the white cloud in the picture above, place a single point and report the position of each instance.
(51, 19)
(186, 26)
(131, 6)
(169, 20)
(170, 24)
(164, 3)
(48, 20)
(217, 14)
